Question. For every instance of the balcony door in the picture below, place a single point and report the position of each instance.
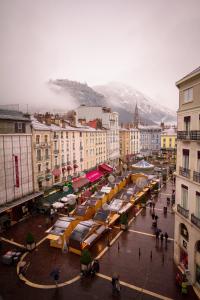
(186, 153)
(187, 123)
(184, 196)
(197, 205)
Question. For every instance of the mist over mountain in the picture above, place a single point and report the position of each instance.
(119, 97)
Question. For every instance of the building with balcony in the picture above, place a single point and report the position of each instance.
(169, 142)
(134, 141)
(109, 121)
(42, 155)
(187, 213)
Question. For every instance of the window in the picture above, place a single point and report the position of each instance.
(198, 274)
(61, 134)
(38, 154)
(80, 134)
(188, 95)
(20, 127)
(198, 161)
(187, 123)
(37, 139)
(185, 158)
(184, 196)
(46, 153)
(39, 168)
(197, 205)
(73, 135)
(46, 138)
(66, 135)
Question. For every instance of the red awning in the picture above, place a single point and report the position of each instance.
(105, 168)
(56, 172)
(69, 168)
(75, 166)
(80, 183)
(94, 175)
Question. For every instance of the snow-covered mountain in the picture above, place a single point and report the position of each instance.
(119, 97)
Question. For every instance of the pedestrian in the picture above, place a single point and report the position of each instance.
(166, 238)
(115, 284)
(156, 218)
(118, 247)
(157, 235)
(96, 266)
(153, 216)
(22, 269)
(56, 275)
(161, 238)
(151, 255)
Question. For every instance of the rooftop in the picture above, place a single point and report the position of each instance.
(189, 76)
(13, 115)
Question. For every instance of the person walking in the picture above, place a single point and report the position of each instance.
(166, 238)
(55, 274)
(115, 284)
(161, 238)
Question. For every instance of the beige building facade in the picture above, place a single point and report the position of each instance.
(187, 212)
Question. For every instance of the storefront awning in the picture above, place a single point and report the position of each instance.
(56, 172)
(80, 183)
(20, 201)
(105, 168)
(94, 175)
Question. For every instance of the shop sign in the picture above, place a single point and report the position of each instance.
(16, 171)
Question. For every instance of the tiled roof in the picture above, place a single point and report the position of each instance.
(12, 115)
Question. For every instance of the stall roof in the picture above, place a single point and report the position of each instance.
(101, 215)
(94, 175)
(80, 210)
(106, 167)
(116, 204)
(81, 230)
(80, 183)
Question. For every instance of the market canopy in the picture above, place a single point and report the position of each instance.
(143, 164)
(105, 168)
(94, 175)
(79, 183)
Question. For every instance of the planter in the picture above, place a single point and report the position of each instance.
(31, 246)
(86, 268)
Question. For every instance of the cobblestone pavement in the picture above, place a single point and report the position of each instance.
(155, 276)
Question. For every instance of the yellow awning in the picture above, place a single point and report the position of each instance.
(52, 237)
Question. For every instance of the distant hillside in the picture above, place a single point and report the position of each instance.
(119, 97)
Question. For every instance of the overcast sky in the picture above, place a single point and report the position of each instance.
(148, 44)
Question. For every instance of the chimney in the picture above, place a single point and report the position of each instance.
(47, 118)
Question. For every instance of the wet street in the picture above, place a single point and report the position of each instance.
(145, 267)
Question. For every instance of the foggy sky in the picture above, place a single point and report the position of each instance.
(148, 44)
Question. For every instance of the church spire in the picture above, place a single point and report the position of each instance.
(136, 117)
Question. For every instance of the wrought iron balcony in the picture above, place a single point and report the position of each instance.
(56, 151)
(184, 212)
(184, 172)
(68, 162)
(196, 176)
(193, 135)
(81, 159)
(74, 161)
(81, 147)
(195, 220)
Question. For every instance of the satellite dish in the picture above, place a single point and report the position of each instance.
(141, 182)
(111, 178)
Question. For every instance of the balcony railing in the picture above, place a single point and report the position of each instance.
(68, 162)
(189, 135)
(81, 159)
(81, 147)
(56, 151)
(195, 220)
(184, 212)
(39, 158)
(184, 172)
(74, 161)
(196, 176)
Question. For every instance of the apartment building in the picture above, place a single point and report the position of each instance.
(124, 143)
(169, 142)
(134, 141)
(187, 213)
(109, 121)
(150, 141)
(16, 172)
